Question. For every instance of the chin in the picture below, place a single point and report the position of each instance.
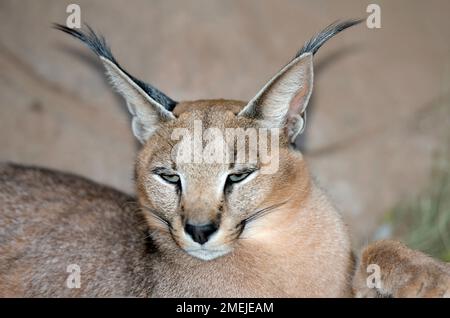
(206, 254)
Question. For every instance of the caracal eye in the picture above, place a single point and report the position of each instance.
(237, 177)
(171, 178)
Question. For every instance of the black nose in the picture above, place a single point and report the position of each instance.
(200, 233)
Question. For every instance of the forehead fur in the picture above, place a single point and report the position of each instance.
(206, 105)
(220, 114)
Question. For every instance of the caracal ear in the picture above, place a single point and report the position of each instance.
(146, 112)
(282, 102)
(147, 105)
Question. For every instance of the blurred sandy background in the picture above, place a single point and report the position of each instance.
(379, 110)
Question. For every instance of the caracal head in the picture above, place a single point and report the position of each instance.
(210, 172)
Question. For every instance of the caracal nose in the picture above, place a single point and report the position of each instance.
(200, 233)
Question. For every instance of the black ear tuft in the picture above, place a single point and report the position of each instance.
(313, 45)
(99, 46)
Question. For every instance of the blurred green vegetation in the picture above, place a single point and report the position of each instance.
(423, 222)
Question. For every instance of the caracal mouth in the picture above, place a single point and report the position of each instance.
(206, 254)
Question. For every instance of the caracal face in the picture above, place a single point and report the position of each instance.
(237, 171)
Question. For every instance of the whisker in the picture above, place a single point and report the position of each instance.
(150, 233)
(155, 215)
(263, 212)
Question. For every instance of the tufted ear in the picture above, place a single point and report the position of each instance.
(146, 112)
(282, 101)
(148, 106)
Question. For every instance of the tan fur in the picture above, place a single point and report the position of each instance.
(278, 254)
(49, 220)
(404, 272)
